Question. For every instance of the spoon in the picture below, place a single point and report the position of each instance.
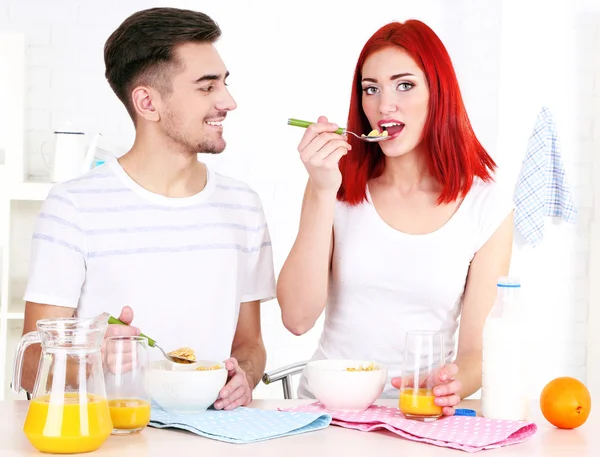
(341, 131)
(152, 343)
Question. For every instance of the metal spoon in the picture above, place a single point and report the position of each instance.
(341, 131)
(152, 343)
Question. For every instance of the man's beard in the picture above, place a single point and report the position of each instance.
(204, 145)
(208, 147)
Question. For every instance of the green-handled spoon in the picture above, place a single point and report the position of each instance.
(152, 343)
(341, 131)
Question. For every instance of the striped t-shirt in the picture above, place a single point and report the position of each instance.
(183, 264)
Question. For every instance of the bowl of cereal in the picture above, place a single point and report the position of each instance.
(186, 387)
(346, 384)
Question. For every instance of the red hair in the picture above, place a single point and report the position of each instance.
(455, 155)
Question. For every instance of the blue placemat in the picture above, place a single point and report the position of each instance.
(241, 425)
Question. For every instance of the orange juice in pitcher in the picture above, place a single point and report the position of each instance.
(68, 425)
(69, 410)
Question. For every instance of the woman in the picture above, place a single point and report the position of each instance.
(405, 234)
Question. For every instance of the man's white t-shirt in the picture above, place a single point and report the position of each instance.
(385, 283)
(184, 265)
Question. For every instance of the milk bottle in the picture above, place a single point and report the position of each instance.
(504, 390)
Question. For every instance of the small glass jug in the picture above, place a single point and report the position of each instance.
(68, 412)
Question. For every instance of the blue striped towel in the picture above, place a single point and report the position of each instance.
(542, 188)
(241, 425)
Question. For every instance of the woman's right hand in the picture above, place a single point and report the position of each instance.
(321, 150)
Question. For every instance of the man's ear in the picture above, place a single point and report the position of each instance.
(144, 99)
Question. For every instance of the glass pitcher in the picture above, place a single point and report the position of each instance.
(68, 412)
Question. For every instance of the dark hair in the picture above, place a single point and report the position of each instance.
(141, 49)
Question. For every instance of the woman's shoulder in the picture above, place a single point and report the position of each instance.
(493, 193)
(490, 203)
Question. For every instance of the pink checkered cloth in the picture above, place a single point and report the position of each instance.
(470, 434)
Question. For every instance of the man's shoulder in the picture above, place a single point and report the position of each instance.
(235, 189)
(96, 178)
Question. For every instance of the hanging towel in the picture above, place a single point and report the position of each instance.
(542, 188)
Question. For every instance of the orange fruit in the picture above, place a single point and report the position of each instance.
(565, 402)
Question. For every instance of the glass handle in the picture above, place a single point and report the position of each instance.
(27, 340)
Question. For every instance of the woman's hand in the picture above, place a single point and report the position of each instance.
(445, 387)
(321, 150)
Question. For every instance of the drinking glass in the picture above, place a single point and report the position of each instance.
(126, 366)
(423, 358)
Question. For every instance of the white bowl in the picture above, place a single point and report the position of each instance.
(341, 390)
(181, 388)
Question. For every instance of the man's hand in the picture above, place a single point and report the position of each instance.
(126, 317)
(237, 391)
(118, 357)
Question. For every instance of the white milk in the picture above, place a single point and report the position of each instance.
(504, 390)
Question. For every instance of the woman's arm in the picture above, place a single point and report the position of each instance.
(491, 262)
(304, 278)
(303, 281)
(462, 378)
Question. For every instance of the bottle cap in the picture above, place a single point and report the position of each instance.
(509, 282)
(465, 412)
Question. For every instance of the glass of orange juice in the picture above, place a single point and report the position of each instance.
(423, 358)
(126, 364)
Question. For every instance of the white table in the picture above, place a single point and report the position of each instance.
(547, 442)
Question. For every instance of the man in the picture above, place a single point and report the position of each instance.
(185, 247)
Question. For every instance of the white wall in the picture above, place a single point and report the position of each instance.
(556, 66)
(296, 60)
(590, 106)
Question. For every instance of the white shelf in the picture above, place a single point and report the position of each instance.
(36, 191)
(15, 307)
(14, 330)
(17, 203)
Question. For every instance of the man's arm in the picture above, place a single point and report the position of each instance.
(37, 311)
(248, 358)
(57, 270)
(248, 347)
(33, 313)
